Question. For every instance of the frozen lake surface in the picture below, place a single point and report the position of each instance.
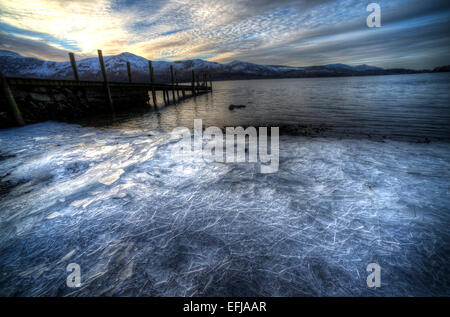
(140, 223)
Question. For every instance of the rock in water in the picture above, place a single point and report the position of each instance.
(232, 107)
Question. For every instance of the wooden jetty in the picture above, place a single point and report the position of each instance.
(193, 89)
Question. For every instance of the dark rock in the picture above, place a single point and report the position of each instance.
(39, 97)
(59, 97)
(232, 107)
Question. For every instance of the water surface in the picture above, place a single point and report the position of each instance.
(402, 107)
(113, 198)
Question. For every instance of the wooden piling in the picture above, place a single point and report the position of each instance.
(11, 101)
(167, 96)
(198, 83)
(164, 97)
(74, 66)
(105, 80)
(129, 72)
(193, 84)
(210, 81)
(152, 81)
(172, 81)
(183, 92)
(177, 87)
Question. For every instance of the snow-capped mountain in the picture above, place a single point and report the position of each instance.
(15, 65)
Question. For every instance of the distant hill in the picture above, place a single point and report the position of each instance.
(442, 69)
(15, 65)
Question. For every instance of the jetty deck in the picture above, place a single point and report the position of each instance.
(22, 96)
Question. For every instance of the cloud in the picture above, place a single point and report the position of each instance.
(89, 24)
(260, 31)
(31, 47)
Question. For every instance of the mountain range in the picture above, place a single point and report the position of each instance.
(15, 65)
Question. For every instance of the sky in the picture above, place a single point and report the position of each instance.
(413, 33)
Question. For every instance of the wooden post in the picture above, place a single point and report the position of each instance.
(210, 81)
(129, 72)
(108, 92)
(11, 101)
(164, 96)
(176, 85)
(183, 92)
(152, 81)
(74, 66)
(172, 81)
(198, 83)
(193, 84)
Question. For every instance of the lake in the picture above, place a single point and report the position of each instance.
(363, 178)
(402, 107)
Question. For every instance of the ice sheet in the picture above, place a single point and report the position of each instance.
(141, 223)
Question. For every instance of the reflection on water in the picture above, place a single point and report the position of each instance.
(411, 107)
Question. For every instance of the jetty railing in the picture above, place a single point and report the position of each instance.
(195, 87)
